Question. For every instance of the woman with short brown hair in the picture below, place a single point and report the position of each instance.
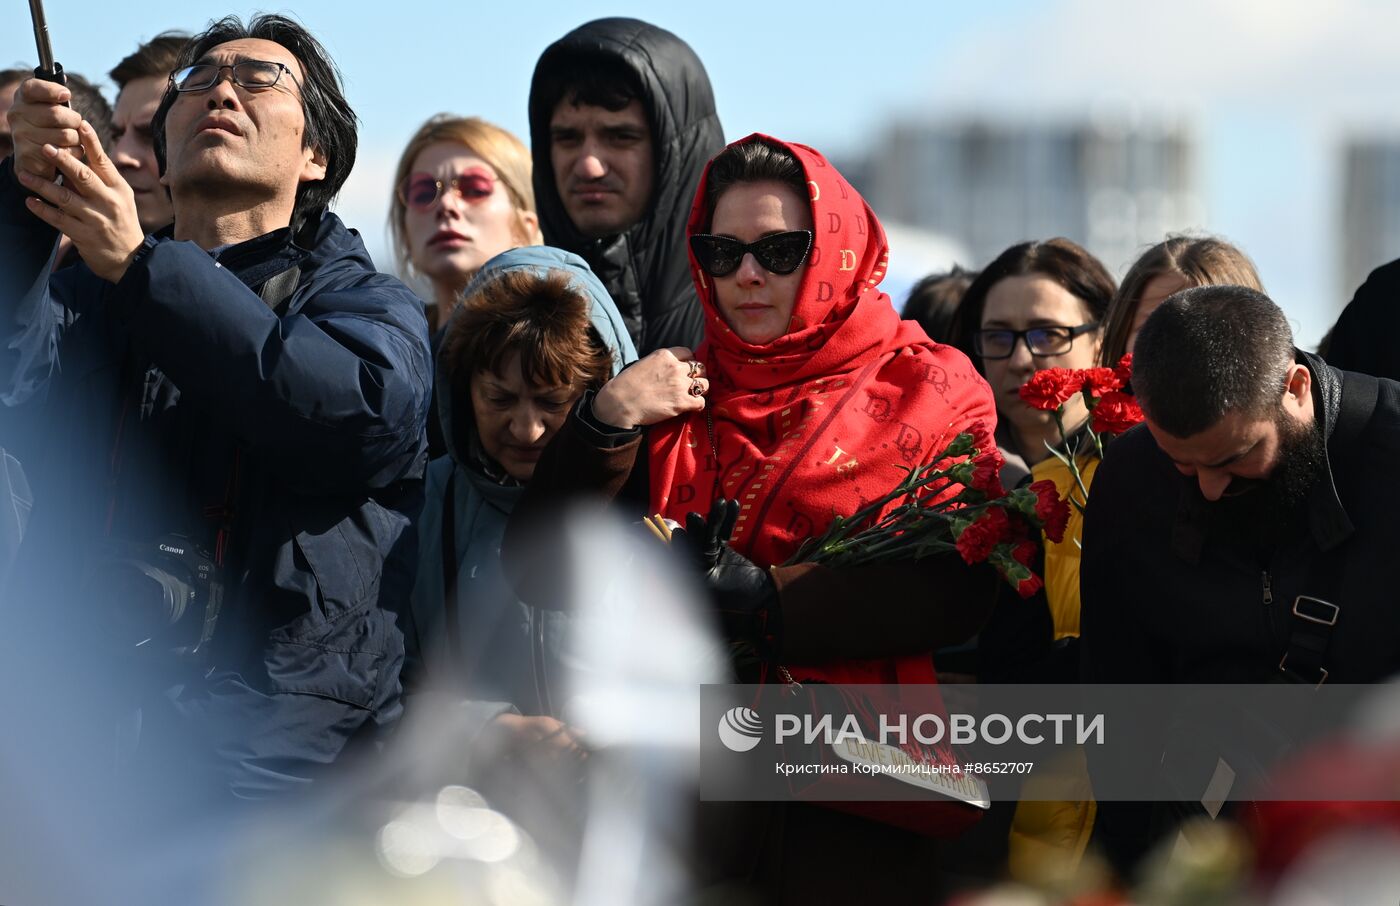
(535, 330)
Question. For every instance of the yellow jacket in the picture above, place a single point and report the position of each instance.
(1048, 837)
(1062, 560)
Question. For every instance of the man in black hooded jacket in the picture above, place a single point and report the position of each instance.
(622, 122)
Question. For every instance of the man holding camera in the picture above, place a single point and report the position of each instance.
(223, 422)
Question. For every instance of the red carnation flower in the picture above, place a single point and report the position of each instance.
(1029, 586)
(979, 538)
(1116, 413)
(982, 438)
(1124, 370)
(1051, 388)
(1014, 564)
(986, 474)
(1098, 381)
(1052, 512)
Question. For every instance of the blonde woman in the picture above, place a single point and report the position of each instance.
(462, 195)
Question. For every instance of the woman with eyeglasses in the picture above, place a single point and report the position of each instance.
(807, 397)
(462, 195)
(1039, 305)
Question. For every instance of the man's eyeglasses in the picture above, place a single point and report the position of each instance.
(420, 190)
(1000, 344)
(781, 253)
(250, 74)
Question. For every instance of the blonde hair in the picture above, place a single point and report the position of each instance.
(1198, 260)
(506, 154)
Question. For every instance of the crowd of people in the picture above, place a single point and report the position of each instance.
(263, 501)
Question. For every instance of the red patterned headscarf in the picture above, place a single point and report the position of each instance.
(827, 417)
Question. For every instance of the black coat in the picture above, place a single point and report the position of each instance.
(647, 268)
(1170, 598)
(1366, 337)
(1171, 595)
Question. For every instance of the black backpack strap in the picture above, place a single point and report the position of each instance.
(1313, 619)
(1310, 634)
(1359, 393)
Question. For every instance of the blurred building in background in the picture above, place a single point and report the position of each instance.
(1370, 215)
(1112, 185)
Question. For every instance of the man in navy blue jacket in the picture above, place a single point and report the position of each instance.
(232, 407)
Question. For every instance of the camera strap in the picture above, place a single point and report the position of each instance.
(1313, 618)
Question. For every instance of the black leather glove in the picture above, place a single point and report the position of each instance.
(741, 592)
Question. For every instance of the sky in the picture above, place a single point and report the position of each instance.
(1271, 89)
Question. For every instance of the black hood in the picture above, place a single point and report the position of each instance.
(646, 269)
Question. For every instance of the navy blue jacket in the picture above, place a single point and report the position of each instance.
(178, 401)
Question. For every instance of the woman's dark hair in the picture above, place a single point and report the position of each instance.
(934, 301)
(755, 161)
(1067, 264)
(331, 126)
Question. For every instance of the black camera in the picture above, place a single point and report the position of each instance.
(164, 594)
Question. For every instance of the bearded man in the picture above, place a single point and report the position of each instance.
(1242, 535)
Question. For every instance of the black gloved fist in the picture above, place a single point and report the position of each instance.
(742, 592)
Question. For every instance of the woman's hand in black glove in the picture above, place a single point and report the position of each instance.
(741, 591)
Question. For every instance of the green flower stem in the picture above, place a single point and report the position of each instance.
(842, 528)
(1072, 462)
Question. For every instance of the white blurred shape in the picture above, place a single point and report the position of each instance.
(461, 812)
(493, 836)
(407, 849)
(650, 644)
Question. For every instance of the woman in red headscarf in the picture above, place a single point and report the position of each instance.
(807, 398)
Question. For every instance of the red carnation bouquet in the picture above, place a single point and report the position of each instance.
(954, 503)
(1112, 410)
